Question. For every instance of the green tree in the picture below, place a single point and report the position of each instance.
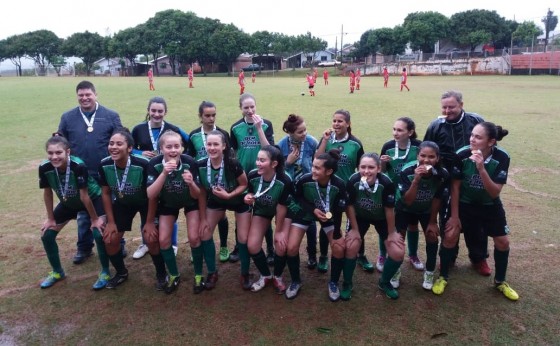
(550, 22)
(474, 27)
(86, 46)
(128, 44)
(424, 29)
(227, 43)
(41, 46)
(526, 33)
(14, 50)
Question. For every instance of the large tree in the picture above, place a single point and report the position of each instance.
(227, 43)
(14, 50)
(128, 44)
(86, 46)
(42, 46)
(525, 33)
(474, 27)
(424, 29)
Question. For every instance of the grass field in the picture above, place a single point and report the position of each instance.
(470, 311)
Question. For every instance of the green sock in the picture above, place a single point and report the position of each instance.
(223, 231)
(445, 256)
(244, 258)
(159, 263)
(431, 256)
(51, 248)
(279, 264)
(118, 262)
(337, 264)
(293, 268)
(412, 242)
(390, 268)
(348, 270)
(501, 260)
(382, 248)
(260, 263)
(198, 257)
(209, 250)
(170, 261)
(101, 252)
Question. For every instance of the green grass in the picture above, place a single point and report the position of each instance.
(470, 311)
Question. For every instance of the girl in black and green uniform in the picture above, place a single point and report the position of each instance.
(122, 177)
(479, 172)
(68, 177)
(225, 185)
(270, 192)
(172, 186)
(340, 137)
(322, 195)
(421, 186)
(371, 198)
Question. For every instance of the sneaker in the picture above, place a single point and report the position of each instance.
(439, 286)
(428, 280)
(312, 263)
(396, 279)
(416, 263)
(245, 281)
(346, 292)
(224, 254)
(161, 283)
(101, 282)
(279, 285)
(198, 286)
(117, 280)
(507, 291)
(140, 252)
(52, 278)
(172, 284)
(270, 259)
(261, 283)
(388, 289)
(365, 264)
(81, 256)
(323, 265)
(334, 293)
(380, 263)
(482, 268)
(293, 290)
(211, 281)
(175, 249)
(234, 255)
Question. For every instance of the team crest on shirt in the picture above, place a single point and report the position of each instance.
(340, 148)
(150, 179)
(250, 142)
(475, 182)
(266, 201)
(344, 161)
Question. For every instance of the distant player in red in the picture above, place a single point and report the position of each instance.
(404, 78)
(253, 76)
(311, 82)
(352, 81)
(241, 81)
(151, 79)
(326, 76)
(315, 75)
(358, 78)
(385, 77)
(190, 74)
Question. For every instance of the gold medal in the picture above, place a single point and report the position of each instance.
(121, 194)
(155, 152)
(364, 179)
(428, 167)
(328, 215)
(90, 129)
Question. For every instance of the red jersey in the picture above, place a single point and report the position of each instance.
(352, 78)
(310, 80)
(190, 73)
(241, 78)
(385, 73)
(404, 76)
(325, 74)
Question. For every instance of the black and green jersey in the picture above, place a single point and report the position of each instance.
(69, 192)
(472, 189)
(228, 182)
(196, 147)
(370, 203)
(309, 198)
(279, 193)
(175, 192)
(245, 141)
(351, 150)
(133, 190)
(428, 188)
(400, 159)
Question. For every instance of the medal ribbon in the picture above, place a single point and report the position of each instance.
(89, 123)
(365, 186)
(396, 157)
(121, 184)
(334, 140)
(326, 202)
(302, 144)
(67, 179)
(155, 145)
(259, 193)
(209, 174)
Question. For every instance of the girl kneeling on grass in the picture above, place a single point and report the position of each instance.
(478, 175)
(371, 198)
(270, 191)
(225, 185)
(122, 177)
(420, 189)
(68, 177)
(172, 186)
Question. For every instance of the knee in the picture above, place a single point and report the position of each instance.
(49, 236)
(501, 243)
(338, 249)
(451, 239)
(396, 253)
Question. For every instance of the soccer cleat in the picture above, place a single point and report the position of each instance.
(380, 263)
(428, 280)
(334, 293)
(140, 252)
(211, 281)
(312, 263)
(81, 256)
(388, 289)
(365, 264)
(261, 283)
(245, 282)
(101, 282)
(416, 263)
(346, 292)
(482, 268)
(439, 286)
(172, 284)
(396, 279)
(270, 259)
(507, 291)
(198, 286)
(323, 265)
(279, 285)
(117, 280)
(224, 254)
(234, 255)
(161, 283)
(293, 290)
(52, 278)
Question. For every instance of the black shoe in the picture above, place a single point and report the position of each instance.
(270, 259)
(117, 280)
(161, 283)
(198, 287)
(211, 281)
(81, 256)
(172, 284)
(245, 281)
(312, 263)
(234, 255)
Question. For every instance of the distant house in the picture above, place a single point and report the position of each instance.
(302, 59)
(107, 67)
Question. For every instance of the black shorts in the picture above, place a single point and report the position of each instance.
(162, 210)
(124, 215)
(311, 86)
(239, 208)
(491, 219)
(63, 214)
(405, 218)
(380, 226)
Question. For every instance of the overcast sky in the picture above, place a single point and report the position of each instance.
(291, 17)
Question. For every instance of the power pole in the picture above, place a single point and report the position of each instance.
(341, 37)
